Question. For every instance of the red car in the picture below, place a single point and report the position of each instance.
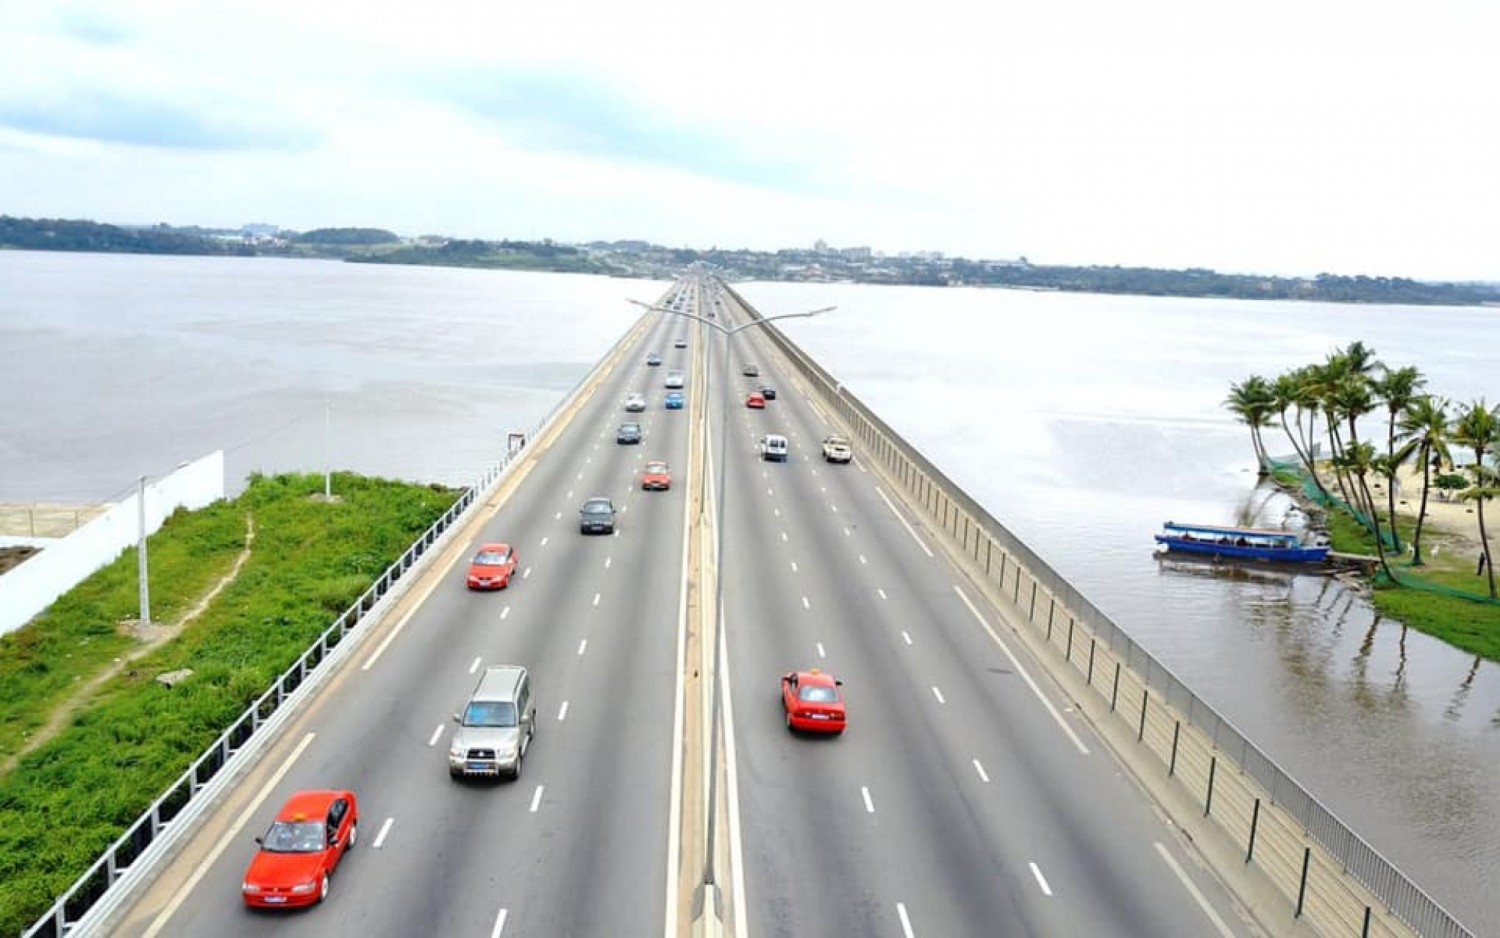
(813, 701)
(492, 567)
(656, 477)
(756, 400)
(311, 833)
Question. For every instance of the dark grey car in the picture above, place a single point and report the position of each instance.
(597, 516)
(628, 433)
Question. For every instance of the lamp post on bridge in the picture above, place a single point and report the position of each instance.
(715, 728)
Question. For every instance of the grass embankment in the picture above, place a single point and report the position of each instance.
(76, 793)
(1469, 624)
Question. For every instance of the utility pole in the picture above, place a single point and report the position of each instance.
(140, 499)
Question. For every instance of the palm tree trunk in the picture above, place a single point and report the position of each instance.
(1375, 524)
(1390, 483)
(1484, 545)
(1416, 534)
(1304, 453)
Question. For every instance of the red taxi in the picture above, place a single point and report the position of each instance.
(492, 567)
(297, 855)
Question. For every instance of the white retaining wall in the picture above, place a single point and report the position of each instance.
(31, 587)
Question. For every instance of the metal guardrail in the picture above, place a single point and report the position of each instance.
(70, 908)
(980, 533)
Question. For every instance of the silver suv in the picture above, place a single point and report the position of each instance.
(496, 725)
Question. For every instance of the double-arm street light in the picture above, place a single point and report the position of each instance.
(729, 332)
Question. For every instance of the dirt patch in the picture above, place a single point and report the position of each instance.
(11, 557)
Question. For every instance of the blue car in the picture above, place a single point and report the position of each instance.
(674, 400)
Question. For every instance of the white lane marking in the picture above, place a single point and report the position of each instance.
(607, 562)
(862, 559)
(437, 734)
(805, 603)
(776, 512)
(596, 599)
(505, 612)
(880, 592)
(938, 694)
(580, 475)
(783, 536)
(865, 793)
(794, 566)
(905, 922)
(526, 573)
(906, 636)
(384, 830)
(544, 542)
(232, 834)
(901, 518)
(499, 925)
(1040, 879)
(582, 645)
(536, 799)
(848, 533)
(1027, 677)
(1198, 897)
(770, 491)
(820, 651)
(475, 666)
(569, 496)
(833, 508)
(562, 712)
(557, 517)
(983, 777)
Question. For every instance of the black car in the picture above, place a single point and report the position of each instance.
(653, 359)
(768, 392)
(628, 433)
(680, 343)
(597, 516)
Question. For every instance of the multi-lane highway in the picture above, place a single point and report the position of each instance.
(964, 799)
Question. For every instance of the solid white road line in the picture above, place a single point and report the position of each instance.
(905, 922)
(437, 734)
(499, 925)
(901, 518)
(905, 636)
(820, 651)
(562, 712)
(505, 612)
(536, 799)
(475, 666)
(1040, 879)
(233, 833)
(1192, 889)
(582, 645)
(419, 602)
(939, 695)
(983, 777)
(1022, 671)
(380, 835)
(865, 794)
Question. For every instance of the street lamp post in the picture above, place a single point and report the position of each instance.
(729, 332)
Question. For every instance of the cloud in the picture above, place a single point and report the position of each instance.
(112, 118)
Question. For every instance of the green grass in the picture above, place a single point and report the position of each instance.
(74, 795)
(1426, 598)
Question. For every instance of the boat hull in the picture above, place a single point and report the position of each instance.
(1213, 548)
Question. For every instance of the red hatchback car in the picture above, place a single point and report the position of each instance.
(311, 833)
(756, 400)
(656, 477)
(492, 567)
(813, 701)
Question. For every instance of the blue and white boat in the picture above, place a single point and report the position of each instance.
(1231, 543)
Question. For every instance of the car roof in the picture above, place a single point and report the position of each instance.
(313, 803)
(493, 546)
(655, 465)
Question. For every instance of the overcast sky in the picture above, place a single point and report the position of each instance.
(1279, 136)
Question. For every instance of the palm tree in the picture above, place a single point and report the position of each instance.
(1478, 428)
(1396, 387)
(1360, 460)
(1424, 426)
(1253, 402)
(1352, 397)
(1294, 389)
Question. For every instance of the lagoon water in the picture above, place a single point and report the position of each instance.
(1082, 422)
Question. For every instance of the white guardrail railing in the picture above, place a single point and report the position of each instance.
(88, 904)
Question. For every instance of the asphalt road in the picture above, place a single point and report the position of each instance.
(957, 803)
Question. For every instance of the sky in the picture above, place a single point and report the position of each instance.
(1277, 137)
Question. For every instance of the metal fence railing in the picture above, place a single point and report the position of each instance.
(134, 846)
(1045, 594)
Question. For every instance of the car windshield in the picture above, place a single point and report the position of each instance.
(656, 467)
(816, 693)
(630, 428)
(294, 837)
(490, 713)
(597, 508)
(492, 557)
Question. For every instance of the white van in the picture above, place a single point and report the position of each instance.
(773, 447)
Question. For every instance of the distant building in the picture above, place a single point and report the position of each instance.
(820, 246)
(857, 254)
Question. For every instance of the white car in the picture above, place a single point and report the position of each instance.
(675, 379)
(773, 447)
(635, 402)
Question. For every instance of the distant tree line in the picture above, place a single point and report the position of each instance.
(57, 234)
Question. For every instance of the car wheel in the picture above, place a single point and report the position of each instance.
(789, 725)
(455, 774)
(323, 888)
(353, 836)
(516, 775)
